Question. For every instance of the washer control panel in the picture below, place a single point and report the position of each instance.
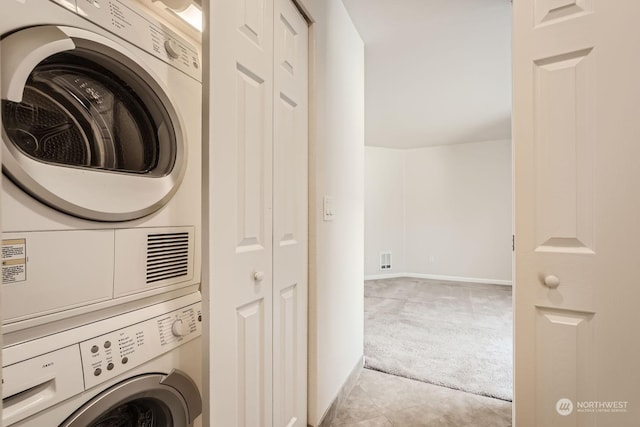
(108, 355)
(40, 373)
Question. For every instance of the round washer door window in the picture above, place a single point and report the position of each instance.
(151, 400)
(86, 128)
(142, 412)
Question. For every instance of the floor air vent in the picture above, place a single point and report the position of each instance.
(167, 256)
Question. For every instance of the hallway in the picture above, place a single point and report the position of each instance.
(382, 400)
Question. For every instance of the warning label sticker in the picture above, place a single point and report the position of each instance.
(14, 260)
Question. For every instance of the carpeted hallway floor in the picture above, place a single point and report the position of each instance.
(458, 335)
(382, 400)
(454, 337)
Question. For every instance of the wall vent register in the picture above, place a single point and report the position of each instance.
(385, 261)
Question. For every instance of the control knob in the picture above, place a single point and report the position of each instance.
(173, 48)
(178, 328)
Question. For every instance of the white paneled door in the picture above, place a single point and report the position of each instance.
(241, 216)
(290, 142)
(258, 219)
(577, 212)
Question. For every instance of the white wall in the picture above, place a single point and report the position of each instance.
(384, 209)
(457, 210)
(336, 168)
(454, 90)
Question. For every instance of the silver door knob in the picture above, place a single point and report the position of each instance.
(551, 281)
(258, 276)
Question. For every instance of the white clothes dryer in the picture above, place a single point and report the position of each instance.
(141, 368)
(101, 141)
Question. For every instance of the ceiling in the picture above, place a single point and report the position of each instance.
(436, 71)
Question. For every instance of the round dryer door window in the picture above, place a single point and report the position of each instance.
(86, 128)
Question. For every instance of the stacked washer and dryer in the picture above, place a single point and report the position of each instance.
(101, 206)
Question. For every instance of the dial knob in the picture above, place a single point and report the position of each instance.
(178, 329)
(173, 48)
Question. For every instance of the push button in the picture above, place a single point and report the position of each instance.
(107, 344)
(97, 372)
(125, 360)
(109, 366)
(94, 349)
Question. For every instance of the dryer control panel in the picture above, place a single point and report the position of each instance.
(137, 27)
(109, 355)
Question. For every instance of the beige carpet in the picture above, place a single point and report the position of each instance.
(458, 335)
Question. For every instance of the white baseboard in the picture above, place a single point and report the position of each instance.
(385, 276)
(440, 277)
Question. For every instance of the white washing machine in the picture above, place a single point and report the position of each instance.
(101, 141)
(142, 368)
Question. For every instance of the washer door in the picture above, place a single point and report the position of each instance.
(152, 400)
(86, 128)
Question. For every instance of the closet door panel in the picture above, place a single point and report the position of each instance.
(240, 199)
(290, 213)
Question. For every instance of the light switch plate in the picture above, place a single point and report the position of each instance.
(327, 208)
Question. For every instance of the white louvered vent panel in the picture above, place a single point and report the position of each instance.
(167, 256)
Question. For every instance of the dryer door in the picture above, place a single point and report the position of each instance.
(152, 400)
(86, 128)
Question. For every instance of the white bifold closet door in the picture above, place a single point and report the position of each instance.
(258, 214)
(290, 213)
